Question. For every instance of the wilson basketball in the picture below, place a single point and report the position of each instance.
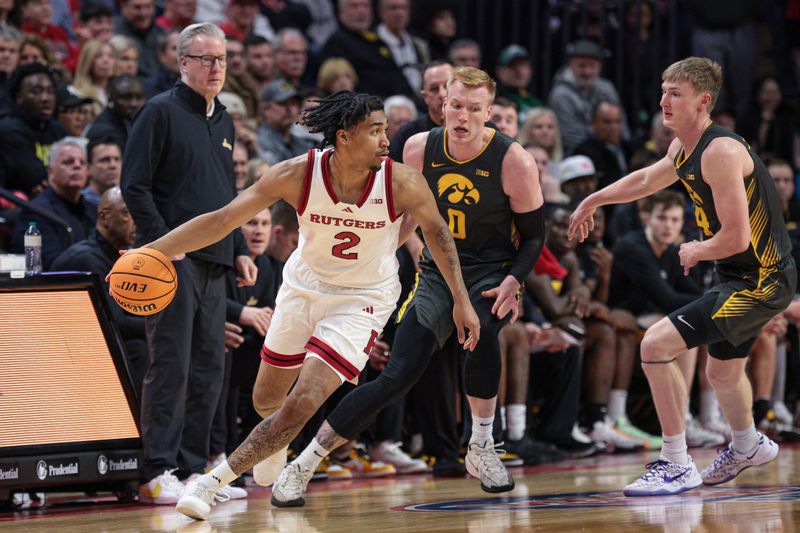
(143, 281)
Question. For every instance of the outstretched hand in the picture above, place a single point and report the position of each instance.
(581, 221)
(466, 318)
(505, 298)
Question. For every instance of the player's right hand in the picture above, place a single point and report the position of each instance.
(465, 317)
(581, 221)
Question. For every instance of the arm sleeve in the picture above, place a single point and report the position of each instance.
(143, 152)
(530, 226)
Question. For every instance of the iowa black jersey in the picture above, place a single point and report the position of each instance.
(471, 199)
(769, 240)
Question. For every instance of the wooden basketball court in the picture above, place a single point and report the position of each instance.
(576, 495)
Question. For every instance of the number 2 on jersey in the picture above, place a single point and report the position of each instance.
(350, 240)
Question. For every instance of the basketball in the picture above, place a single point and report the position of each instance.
(143, 281)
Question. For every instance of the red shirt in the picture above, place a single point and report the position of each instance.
(66, 52)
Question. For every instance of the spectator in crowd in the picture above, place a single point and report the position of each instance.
(73, 112)
(284, 237)
(505, 117)
(770, 124)
(783, 176)
(33, 49)
(95, 70)
(127, 53)
(66, 179)
(291, 55)
(238, 80)
(439, 23)
(126, 97)
(95, 23)
(136, 21)
(105, 167)
(308, 98)
(577, 177)
(657, 145)
(515, 74)
(541, 127)
(240, 166)
(464, 53)
(242, 123)
(728, 37)
(369, 55)
(409, 53)
(186, 339)
(35, 18)
(606, 148)
(551, 189)
(113, 232)
(557, 376)
(434, 90)
(281, 109)
(286, 14)
(6, 9)
(259, 56)
(167, 73)
(400, 110)
(177, 14)
(336, 74)
(323, 21)
(28, 129)
(10, 39)
(241, 18)
(577, 89)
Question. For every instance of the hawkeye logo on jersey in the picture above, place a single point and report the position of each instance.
(226, 144)
(346, 222)
(458, 189)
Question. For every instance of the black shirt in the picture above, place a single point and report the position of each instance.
(643, 283)
(406, 131)
(178, 164)
(471, 199)
(769, 241)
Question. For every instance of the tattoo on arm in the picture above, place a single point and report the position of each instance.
(445, 241)
(265, 439)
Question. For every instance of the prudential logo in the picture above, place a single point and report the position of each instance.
(41, 470)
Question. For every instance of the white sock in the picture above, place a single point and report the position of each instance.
(482, 430)
(745, 440)
(503, 417)
(516, 421)
(709, 405)
(220, 476)
(312, 456)
(674, 449)
(617, 399)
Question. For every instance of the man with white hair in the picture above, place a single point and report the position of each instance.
(66, 178)
(165, 154)
(291, 55)
(400, 110)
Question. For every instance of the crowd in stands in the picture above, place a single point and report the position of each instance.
(74, 74)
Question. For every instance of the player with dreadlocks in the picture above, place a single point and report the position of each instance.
(339, 286)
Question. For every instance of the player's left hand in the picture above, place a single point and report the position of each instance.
(465, 317)
(505, 296)
(689, 255)
(248, 271)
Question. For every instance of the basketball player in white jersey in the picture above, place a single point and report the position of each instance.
(340, 285)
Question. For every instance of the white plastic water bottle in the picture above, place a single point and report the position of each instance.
(33, 250)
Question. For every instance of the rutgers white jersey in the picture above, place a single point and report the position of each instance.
(347, 245)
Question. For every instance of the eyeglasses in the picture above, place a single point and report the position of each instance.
(208, 61)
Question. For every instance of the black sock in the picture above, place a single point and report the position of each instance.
(760, 409)
(595, 412)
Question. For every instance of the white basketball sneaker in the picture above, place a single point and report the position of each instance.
(729, 462)
(267, 471)
(291, 484)
(197, 500)
(483, 462)
(664, 478)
